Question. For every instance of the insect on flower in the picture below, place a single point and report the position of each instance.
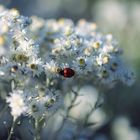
(67, 72)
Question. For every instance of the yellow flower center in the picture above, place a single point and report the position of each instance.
(33, 66)
(105, 74)
(34, 108)
(96, 45)
(21, 58)
(114, 66)
(105, 59)
(2, 40)
(81, 61)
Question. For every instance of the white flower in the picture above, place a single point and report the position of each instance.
(102, 59)
(63, 26)
(35, 65)
(16, 103)
(45, 104)
(54, 100)
(51, 68)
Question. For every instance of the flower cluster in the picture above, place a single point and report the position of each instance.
(93, 56)
(43, 59)
(21, 65)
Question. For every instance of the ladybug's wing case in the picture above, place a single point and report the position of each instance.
(67, 72)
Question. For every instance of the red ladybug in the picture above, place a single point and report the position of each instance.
(67, 72)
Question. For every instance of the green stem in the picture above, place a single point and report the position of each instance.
(37, 130)
(12, 129)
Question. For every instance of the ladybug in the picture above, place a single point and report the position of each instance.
(67, 72)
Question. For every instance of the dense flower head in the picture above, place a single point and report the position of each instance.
(34, 102)
(17, 103)
(82, 48)
(41, 55)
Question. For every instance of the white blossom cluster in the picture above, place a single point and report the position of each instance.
(19, 64)
(93, 56)
(39, 56)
